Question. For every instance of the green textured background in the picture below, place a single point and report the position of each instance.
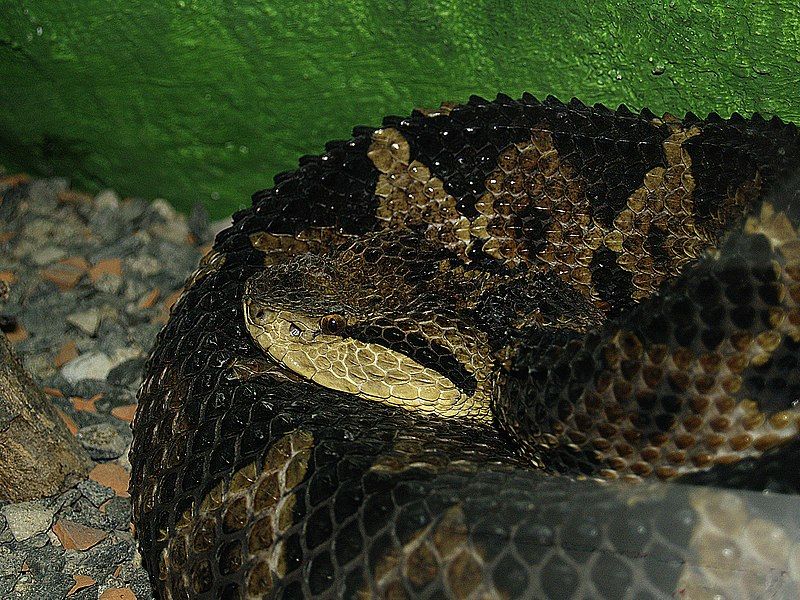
(206, 100)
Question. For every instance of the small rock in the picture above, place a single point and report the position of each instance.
(81, 582)
(10, 562)
(102, 441)
(87, 321)
(85, 513)
(94, 492)
(27, 519)
(107, 199)
(132, 209)
(93, 365)
(47, 255)
(121, 249)
(113, 476)
(74, 536)
(63, 278)
(43, 193)
(118, 594)
(118, 512)
(67, 352)
(39, 365)
(108, 284)
(174, 231)
(163, 209)
(106, 266)
(125, 412)
(144, 265)
(120, 355)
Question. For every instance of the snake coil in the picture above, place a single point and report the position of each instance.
(458, 356)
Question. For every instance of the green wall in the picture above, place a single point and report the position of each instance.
(206, 100)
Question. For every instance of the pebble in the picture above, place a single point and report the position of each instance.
(81, 267)
(94, 492)
(87, 321)
(107, 199)
(108, 283)
(47, 255)
(127, 373)
(93, 365)
(103, 441)
(26, 519)
(118, 512)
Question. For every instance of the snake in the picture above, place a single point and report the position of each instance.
(506, 348)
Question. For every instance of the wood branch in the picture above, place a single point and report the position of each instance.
(38, 455)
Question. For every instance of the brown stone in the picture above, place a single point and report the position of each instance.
(15, 179)
(113, 476)
(118, 594)
(85, 404)
(74, 536)
(65, 354)
(108, 266)
(8, 277)
(76, 262)
(72, 197)
(149, 300)
(81, 582)
(65, 278)
(16, 336)
(125, 413)
(68, 421)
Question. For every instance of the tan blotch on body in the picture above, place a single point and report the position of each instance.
(259, 499)
(716, 423)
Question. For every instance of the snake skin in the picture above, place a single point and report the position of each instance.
(591, 302)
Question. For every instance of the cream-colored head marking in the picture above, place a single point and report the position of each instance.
(313, 348)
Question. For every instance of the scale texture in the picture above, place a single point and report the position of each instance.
(459, 355)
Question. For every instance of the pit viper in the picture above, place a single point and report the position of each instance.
(499, 349)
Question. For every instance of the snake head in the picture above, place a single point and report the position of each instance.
(366, 320)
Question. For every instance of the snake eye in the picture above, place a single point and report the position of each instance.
(332, 324)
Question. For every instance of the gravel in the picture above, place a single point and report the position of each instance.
(62, 293)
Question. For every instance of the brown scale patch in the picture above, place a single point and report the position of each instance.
(739, 554)
(532, 180)
(254, 509)
(662, 209)
(440, 552)
(409, 195)
(278, 247)
(655, 236)
(714, 422)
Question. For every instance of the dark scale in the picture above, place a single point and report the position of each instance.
(776, 383)
(613, 284)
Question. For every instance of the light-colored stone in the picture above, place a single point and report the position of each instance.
(107, 199)
(175, 231)
(109, 283)
(92, 365)
(27, 519)
(47, 255)
(87, 321)
(164, 209)
(102, 441)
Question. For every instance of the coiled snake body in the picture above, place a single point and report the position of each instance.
(455, 356)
